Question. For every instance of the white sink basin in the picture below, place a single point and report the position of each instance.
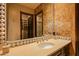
(46, 45)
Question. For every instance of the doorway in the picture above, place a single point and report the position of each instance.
(26, 25)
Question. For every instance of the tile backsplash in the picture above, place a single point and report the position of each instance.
(36, 39)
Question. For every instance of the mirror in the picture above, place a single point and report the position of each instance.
(21, 22)
(39, 24)
(26, 21)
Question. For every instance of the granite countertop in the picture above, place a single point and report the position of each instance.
(31, 50)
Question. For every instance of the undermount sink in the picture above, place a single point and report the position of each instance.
(45, 45)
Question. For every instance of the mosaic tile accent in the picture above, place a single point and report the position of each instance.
(36, 39)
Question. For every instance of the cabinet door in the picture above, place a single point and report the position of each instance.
(58, 53)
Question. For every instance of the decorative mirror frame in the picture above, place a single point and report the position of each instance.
(3, 21)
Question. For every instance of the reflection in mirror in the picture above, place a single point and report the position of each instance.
(39, 24)
(26, 23)
(21, 22)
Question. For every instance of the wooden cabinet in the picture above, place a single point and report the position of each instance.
(62, 52)
(58, 53)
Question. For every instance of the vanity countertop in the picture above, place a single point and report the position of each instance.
(31, 50)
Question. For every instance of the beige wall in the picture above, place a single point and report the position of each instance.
(64, 16)
(13, 11)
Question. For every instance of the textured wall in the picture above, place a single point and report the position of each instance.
(65, 15)
(63, 18)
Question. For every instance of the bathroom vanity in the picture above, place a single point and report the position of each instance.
(25, 36)
(50, 47)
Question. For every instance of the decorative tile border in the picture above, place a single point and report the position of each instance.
(32, 40)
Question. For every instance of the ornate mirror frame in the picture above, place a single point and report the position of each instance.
(3, 22)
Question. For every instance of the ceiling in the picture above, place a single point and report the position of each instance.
(30, 5)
